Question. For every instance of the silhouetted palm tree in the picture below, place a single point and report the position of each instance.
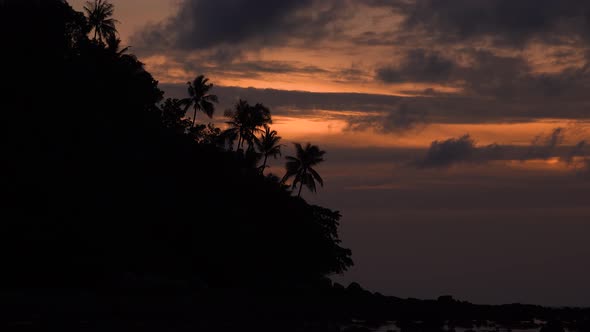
(237, 122)
(246, 121)
(114, 45)
(200, 98)
(258, 117)
(100, 18)
(268, 145)
(300, 167)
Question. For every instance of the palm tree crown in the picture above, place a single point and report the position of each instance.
(246, 121)
(100, 18)
(268, 145)
(300, 167)
(200, 98)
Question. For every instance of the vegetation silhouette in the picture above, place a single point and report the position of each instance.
(301, 169)
(245, 122)
(200, 98)
(119, 213)
(268, 145)
(100, 18)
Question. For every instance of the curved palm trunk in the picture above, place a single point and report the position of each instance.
(249, 140)
(194, 117)
(264, 164)
(301, 184)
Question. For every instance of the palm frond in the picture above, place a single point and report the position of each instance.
(207, 108)
(309, 182)
(316, 176)
(211, 98)
(300, 166)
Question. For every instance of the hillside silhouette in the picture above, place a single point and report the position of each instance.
(99, 176)
(124, 209)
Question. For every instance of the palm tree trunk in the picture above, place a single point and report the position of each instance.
(194, 117)
(95, 33)
(264, 164)
(301, 182)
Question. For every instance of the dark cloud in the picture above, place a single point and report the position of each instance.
(400, 120)
(506, 22)
(287, 102)
(351, 74)
(506, 79)
(418, 65)
(420, 111)
(372, 38)
(404, 119)
(218, 34)
(459, 150)
(202, 24)
(544, 146)
(254, 68)
(579, 150)
(511, 77)
(494, 75)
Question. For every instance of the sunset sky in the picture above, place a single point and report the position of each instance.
(391, 89)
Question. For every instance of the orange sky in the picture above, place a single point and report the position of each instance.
(332, 58)
(337, 132)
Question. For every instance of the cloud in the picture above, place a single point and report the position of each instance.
(400, 120)
(255, 68)
(485, 74)
(418, 65)
(579, 159)
(203, 24)
(394, 112)
(288, 101)
(440, 46)
(512, 77)
(505, 22)
(544, 146)
(579, 150)
(459, 150)
(404, 119)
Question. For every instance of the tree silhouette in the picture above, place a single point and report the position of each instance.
(300, 167)
(268, 145)
(238, 123)
(206, 134)
(200, 98)
(173, 115)
(100, 18)
(246, 121)
(114, 45)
